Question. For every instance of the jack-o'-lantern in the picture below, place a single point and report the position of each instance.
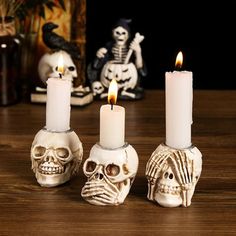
(125, 75)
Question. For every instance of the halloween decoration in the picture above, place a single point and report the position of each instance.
(57, 42)
(55, 157)
(172, 175)
(110, 174)
(122, 60)
(47, 66)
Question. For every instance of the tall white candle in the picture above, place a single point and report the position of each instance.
(179, 98)
(58, 102)
(112, 121)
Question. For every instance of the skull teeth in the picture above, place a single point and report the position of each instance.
(48, 170)
(174, 190)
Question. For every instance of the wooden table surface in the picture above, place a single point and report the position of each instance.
(28, 209)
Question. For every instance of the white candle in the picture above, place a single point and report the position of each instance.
(112, 121)
(58, 103)
(179, 98)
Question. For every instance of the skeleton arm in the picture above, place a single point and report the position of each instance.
(101, 52)
(135, 46)
(153, 170)
(100, 58)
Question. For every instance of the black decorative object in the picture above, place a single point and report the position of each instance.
(10, 88)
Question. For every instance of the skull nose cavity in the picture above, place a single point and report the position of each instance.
(49, 159)
(99, 176)
(168, 175)
(116, 76)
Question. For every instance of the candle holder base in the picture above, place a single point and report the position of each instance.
(110, 174)
(172, 175)
(55, 156)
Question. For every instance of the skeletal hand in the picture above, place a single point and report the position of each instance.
(153, 170)
(100, 193)
(135, 46)
(184, 172)
(101, 52)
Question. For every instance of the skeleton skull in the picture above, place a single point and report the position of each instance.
(48, 64)
(125, 75)
(97, 88)
(55, 157)
(120, 35)
(110, 175)
(172, 175)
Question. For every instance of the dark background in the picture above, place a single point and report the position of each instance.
(203, 31)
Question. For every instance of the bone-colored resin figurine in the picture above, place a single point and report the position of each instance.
(55, 156)
(172, 175)
(110, 174)
(120, 59)
(48, 64)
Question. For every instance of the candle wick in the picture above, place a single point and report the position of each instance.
(111, 106)
(178, 67)
(60, 75)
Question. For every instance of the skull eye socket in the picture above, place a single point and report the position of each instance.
(62, 153)
(112, 170)
(39, 151)
(71, 68)
(117, 33)
(91, 166)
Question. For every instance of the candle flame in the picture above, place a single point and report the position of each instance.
(112, 92)
(60, 67)
(179, 60)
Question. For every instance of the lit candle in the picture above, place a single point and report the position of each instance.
(58, 101)
(179, 98)
(112, 121)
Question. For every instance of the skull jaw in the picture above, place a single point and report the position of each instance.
(168, 200)
(53, 180)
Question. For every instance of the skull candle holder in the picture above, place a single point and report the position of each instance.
(172, 175)
(110, 174)
(55, 156)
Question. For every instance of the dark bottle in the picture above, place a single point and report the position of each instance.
(9, 70)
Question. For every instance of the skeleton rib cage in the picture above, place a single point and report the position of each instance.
(119, 53)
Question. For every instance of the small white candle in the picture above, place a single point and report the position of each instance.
(58, 102)
(179, 98)
(112, 121)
